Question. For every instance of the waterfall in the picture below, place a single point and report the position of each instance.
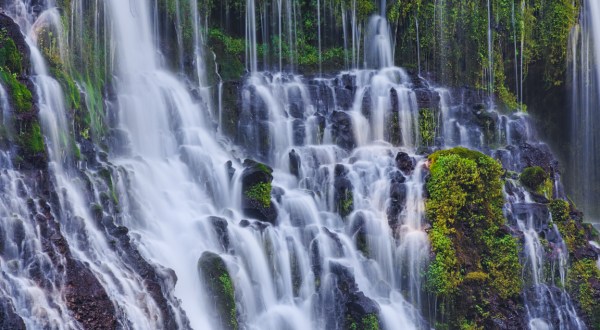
(160, 207)
(584, 178)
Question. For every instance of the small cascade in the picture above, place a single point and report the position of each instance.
(378, 45)
(545, 259)
(5, 106)
(34, 295)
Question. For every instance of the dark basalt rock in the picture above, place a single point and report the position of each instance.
(8, 316)
(398, 191)
(230, 169)
(538, 155)
(427, 98)
(343, 188)
(219, 285)
(257, 175)
(84, 295)
(220, 228)
(352, 303)
(341, 130)
(295, 163)
(405, 163)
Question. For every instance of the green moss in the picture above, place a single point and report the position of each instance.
(346, 204)
(10, 58)
(367, 322)
(106, 175)
(32, 140)
(229, 52)
(220, 288)
(20, 95)
(72, 94)
(559, 209)
(472, 252)
(370, 322)
(580, 276)
(427, 126)
(260, 192)
(533, 178)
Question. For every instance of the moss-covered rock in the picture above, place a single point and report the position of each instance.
(584, 286)
(256, 191)
(26, 132)
(219, 285)
(476, 261)
(537, 180)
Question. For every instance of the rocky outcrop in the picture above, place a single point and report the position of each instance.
(343, 191)
(217, 280)
(256, 191)
(9, 319)
(25, 131)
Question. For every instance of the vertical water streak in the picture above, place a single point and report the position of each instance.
(490, 53)
(584, 177)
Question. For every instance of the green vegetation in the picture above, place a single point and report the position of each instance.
(427, 126)
(10, 58)
(260, 192)
(215, 275)
(346, 203)
(472, 251)
(368, 322)
(537, 180)
(10, 67)
(20, 95)
(32, 139)
(580, 278)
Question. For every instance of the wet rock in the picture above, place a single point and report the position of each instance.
(427, 98)
(230, 169)
(13, 31)
(343, 197)
(295, 163)
(358, 311)
(344, 97)
(219, 285)
(295, 111)
(518, 131)
(298, 132)
(219, 226)
(256, 191)
(86, 298)
(405, 163)
(538, 155)
(9, 319)
(398, 191)
(341, 130)
(159, 282)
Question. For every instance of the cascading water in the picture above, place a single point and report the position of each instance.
(150, 220)
(547, 306)
(584, 178)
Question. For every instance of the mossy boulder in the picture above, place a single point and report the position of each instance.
(475, 273)
(536, 180)
(216, 279)
(256, 191)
